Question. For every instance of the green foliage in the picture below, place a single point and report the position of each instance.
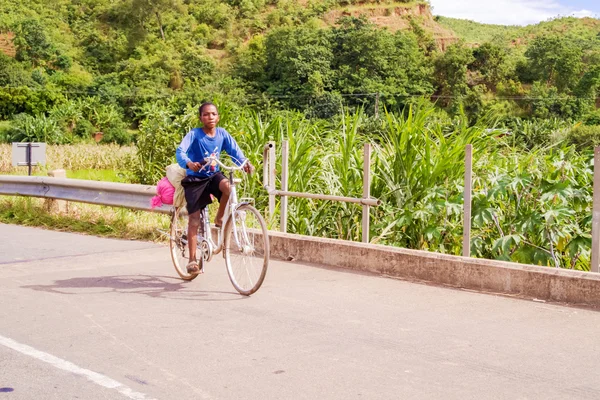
(287, 54)
(160, 134)
(12, 73)
(417, 160)
(534, 209)
(585, 137)
(556, 61)
(33, 46)
(105, 118)
(451, 75)
(84, 129)
(532, 133)
(547, 102)
(26, 128)
(299, 63)
(4, 131)
(593, 118)
(369, 60)
(491, 61)
(22, 99)
(474, 32)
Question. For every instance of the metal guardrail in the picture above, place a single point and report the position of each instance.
(93, 192)
(269, 183)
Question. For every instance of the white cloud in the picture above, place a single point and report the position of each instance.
(583, 13)
(505, 12)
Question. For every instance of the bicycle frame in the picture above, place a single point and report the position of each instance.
(232, 205)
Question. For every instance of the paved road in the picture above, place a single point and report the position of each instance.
(89, 318)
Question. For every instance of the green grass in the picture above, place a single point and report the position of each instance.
(581, 29)
(4, 128)
(100, 175)
(91, 219)
(475, 32)
(370, 5)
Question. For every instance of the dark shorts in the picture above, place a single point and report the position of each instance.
(198, 190)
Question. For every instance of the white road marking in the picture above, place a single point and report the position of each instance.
(95, 377)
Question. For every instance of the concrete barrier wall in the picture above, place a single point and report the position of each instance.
(543, 283)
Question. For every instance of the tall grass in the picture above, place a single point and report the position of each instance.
(75, 157)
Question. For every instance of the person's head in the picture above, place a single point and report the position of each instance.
(209, 115)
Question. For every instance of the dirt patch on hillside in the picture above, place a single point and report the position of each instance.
(6, 44)
(397, 17)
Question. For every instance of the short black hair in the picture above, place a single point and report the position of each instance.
(205, 104)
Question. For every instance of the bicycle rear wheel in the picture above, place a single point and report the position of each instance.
(178, 245)
(246, 249)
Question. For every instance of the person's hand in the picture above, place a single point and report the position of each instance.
(194, 166)
(249, 168)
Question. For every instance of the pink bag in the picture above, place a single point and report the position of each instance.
(164, 193)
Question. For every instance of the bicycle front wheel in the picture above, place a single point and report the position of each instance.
(246, 249)
(178, 244)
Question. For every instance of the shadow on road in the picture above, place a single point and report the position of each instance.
(153, 286)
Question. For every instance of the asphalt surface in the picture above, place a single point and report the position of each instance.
(89, 318)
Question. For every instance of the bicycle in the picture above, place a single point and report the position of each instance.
(242, 237)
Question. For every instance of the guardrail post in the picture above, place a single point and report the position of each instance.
(467, 201)
(53, 205)
(272, 182)
(284, 184)
(366, 192)
(266, 165)
(594, 267)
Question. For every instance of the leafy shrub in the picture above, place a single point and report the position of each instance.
(160, 134)
(536, 132)
(83, 129)
(328, 105)
(592, 118)
(4, 131)
(13, 73)
(27, 128)
(585, 136)
(22, 99)
(117, 134)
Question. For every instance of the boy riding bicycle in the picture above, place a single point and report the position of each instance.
(201, 179)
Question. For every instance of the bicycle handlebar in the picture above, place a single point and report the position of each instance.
(208, 160)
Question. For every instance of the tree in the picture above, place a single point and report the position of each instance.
(32, 44)
(451, 74)
(491, 61)
(370, 60)
(298, 63)
(251, 63)
(12, 72)
(555, 60)
(143, 10)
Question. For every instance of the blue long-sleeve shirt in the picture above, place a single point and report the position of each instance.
(196, 146)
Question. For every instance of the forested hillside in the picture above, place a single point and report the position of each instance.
(73, 67)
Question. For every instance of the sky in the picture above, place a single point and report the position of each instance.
(515, 12)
